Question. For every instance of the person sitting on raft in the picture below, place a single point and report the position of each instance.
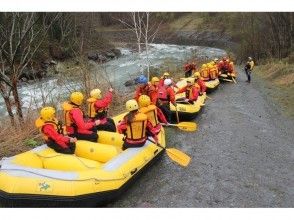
(165, 76)
(154, 114)
(144, 87)
(166, 95)
(189, 68)
(191, 92)
(199, 83)
(98, 108)
(74, 119)
(135, 126)
(52, 132)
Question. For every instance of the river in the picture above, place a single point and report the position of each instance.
(119, 70)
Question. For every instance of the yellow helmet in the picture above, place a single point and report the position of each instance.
(232, 63)
(154, 79)
(47, 113)
(209, 65)
(144, 100)
(77, 98)
(204, 65)
(95, 93)
(132, 105)
(166, 74)
(196, 75)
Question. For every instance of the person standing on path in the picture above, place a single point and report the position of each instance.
(248, 68)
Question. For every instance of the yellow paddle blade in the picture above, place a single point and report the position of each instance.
(187, 126)
(178, 156)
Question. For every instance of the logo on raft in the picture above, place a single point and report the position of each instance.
(44, 187)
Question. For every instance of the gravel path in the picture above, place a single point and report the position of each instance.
(242, 156)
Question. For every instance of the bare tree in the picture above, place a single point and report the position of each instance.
(21, 35)
(145, 31)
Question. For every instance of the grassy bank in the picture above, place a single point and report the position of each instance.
(279, 80)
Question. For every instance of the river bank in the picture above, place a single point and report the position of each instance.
(241, 156)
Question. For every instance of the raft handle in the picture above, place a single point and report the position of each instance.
(134, 171)
(156, 151)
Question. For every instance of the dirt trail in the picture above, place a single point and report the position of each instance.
(242, 157)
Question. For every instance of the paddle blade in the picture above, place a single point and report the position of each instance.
(178, 156)
(187, 126)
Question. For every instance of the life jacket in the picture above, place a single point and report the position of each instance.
(189, 92)
(57, 125)
(162, 93)
(204, 73)
(197, 86)
(93, 113)
(151, 112)
(67, 107)
(213, 72)
(136, 130)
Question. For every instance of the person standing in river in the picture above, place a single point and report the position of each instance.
(248, 68)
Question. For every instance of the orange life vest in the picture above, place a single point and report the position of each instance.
(151, 112)
(136, 130)
(204, 72)
(92, 112)
(67, 107)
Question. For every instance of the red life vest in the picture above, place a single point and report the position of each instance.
(162, 93)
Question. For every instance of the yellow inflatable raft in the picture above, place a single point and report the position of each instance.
(211, 85)
(95, 175)
(187, 111)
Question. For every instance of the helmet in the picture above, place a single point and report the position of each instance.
(204, 65)
(144, 100)
(154, 79)
(95, 93)
(215, 60)
(142, 79)
(167, 82)
(209, 65)
(232, 63)
(47, 113)
(249, 58)
(166, 74)
(132, 105)
(196, 75)
(77, 98)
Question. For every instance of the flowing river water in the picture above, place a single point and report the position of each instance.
(118, 71)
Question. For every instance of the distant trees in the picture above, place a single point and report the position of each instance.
(21, 35)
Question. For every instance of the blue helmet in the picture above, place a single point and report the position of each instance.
(142, 79)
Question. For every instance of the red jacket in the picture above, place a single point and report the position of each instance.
(202, 85)
(78, 119)
(189, 66)
(161, 116)
(153, 93)
(50, 132)
(170, 94)
(103, 103)
(142, 90)
(191, 93)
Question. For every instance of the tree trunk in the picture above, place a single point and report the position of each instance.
(17, 100)
(9, 110)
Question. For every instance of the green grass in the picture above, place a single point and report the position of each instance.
(279, 79)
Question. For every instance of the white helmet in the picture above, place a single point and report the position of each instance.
(167, 82)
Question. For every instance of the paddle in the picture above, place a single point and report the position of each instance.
(177, 115)
(185, 126)
(176, 155)
(234, 80)
(228, 80)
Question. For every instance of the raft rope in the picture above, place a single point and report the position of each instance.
(79, 159)
(125, 175)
